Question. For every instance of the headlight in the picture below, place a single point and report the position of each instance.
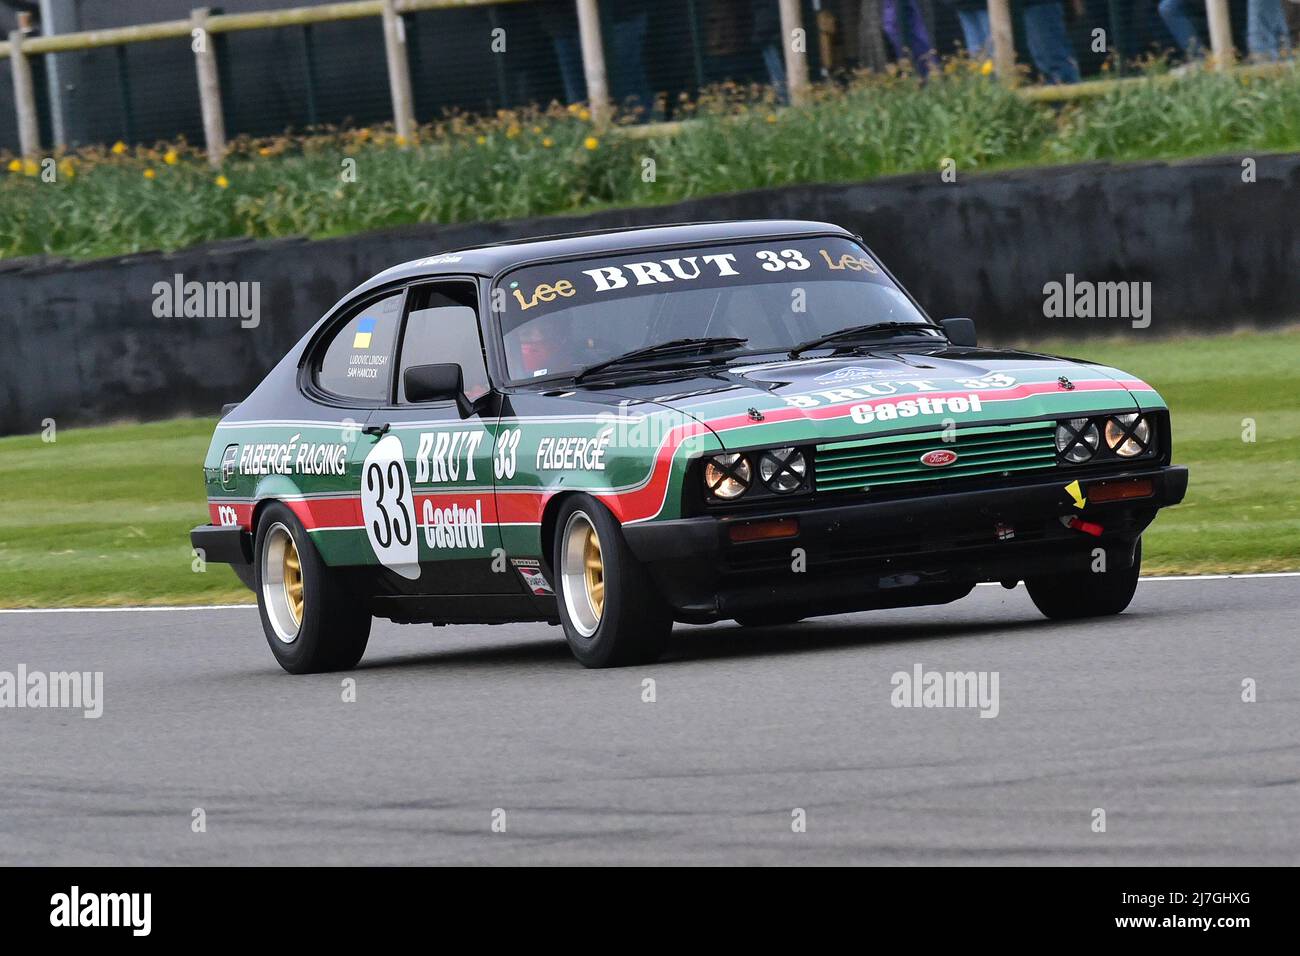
(1125, 438)
(727, 476)
(1077, 440)
(782, 469)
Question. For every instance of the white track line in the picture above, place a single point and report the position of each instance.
(1194, 577)
(235, 607)
(118, 610)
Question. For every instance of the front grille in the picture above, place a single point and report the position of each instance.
(989, 450)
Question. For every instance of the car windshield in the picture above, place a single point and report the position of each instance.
(559, 318)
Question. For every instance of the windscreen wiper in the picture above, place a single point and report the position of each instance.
(662, 350)
(855, 331)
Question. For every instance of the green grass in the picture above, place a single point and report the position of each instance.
(531, 163)
(102, 515)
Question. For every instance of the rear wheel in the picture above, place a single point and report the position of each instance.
(611, 612)
(1086, 593)
(312, 621)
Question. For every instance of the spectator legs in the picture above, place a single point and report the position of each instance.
(1266, 29)
(906, 31)
(1178, 19)
(1049, 45)
(976, 32)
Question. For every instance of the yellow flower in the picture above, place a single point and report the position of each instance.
(771, 117)
(264, 151)
(482, 140)
(591, 142)
(170, 157)
(537, 130)
(399, 140)
(31, 167)
(119, 148)
(15, 165)
(66, 169)
(548, 142)
(222, 182)
(986, 68)
(150, 174)
(512, 131)
(584, 114)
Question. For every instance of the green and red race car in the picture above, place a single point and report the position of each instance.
(615, 431)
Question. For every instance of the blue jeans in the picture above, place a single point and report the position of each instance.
(1177, 17)
(774, 62)
(1049, 45)
(979, 37)
(628, 78)
(911, 39)
(568, 52)
(1266, 32)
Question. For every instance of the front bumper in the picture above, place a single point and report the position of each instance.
(918, 550)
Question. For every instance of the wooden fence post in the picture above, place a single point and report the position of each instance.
(795, 46)
(593, 61)
(1216, 12)
(399, 72)
(1004, 41)
(29, 130)
(203, 43)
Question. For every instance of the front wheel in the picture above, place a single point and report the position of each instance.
(312, 622)
(611, 612)
(1086, 593)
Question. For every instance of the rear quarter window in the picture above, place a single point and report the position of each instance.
(357, 362)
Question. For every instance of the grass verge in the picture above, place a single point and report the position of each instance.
(101, 516)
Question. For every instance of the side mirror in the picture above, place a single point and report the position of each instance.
(432, 383)
(959, 331)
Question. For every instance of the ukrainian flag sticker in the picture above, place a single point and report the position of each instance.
(365, 328)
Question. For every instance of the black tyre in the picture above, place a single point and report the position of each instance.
(312, 622)
(1085, 593)
(611, 613)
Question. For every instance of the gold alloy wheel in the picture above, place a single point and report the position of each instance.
(284, 592)
(595, 571)
(293, 581)
(582, 574)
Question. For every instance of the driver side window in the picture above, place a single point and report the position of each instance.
(442, 328)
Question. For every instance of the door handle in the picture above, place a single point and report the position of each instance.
(377, 431)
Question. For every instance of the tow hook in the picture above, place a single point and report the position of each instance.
(1078, 524)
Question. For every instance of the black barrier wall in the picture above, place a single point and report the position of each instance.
(82, 343)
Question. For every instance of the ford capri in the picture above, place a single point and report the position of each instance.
(613, 432)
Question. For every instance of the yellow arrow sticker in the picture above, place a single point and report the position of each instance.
(1076, 493)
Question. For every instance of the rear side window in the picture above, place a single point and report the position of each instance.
(357, 362)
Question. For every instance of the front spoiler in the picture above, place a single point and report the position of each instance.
(868, 554)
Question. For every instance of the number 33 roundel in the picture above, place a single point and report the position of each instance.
(389, 509)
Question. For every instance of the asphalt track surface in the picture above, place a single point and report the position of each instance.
(1140, 715)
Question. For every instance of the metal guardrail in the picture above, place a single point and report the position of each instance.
(202, 24)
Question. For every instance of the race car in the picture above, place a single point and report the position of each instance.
(616, 431)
